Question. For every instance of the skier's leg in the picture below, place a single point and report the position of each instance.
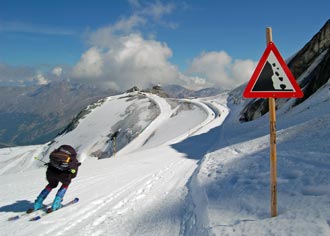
(42, 196)
(59, 197)
(52, 183)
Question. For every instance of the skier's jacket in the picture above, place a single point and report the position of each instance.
(64, 160)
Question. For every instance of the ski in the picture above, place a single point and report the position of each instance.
(47, 212)
(26, 213)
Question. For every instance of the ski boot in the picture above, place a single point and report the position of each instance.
(38, 202)
(58, 199)
(56, 204)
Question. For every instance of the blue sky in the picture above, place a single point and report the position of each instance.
(188, 34)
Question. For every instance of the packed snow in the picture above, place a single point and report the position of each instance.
(182, 167)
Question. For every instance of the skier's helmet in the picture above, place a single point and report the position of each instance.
(68, 150)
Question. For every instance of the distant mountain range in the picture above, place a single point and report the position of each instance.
(177, 91)
(35, 115)
(32, 115)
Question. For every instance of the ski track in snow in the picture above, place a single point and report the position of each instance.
(108, 209)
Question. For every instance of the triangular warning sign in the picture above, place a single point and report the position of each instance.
(272, 78)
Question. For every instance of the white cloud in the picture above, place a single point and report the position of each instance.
(134, 61)
(124, 61)
(242, 69)
(121, 57)
(90, 64)
(108, 36)
(219, 69)
(57, 71)
(40, 79)
(156, 10)
(192, 82)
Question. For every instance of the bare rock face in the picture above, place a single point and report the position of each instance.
(305, 57)
(310, 66)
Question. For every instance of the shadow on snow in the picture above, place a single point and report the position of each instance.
(18, 206)
(196, 147)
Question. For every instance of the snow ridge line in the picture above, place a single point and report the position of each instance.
(210, 117)
(165, 112)
(195, 218)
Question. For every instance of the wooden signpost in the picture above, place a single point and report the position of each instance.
(272, 79)
(273, 155)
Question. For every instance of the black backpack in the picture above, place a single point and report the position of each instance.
(61, 157)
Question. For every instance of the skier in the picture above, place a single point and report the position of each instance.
(63, 167)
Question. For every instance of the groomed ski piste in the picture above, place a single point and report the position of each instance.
(188, 168)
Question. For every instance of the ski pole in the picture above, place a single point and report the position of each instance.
(41, 160)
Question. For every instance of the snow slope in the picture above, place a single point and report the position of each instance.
(230, 191)
(190, 169)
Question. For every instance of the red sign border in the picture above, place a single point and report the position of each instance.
(248, 93)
